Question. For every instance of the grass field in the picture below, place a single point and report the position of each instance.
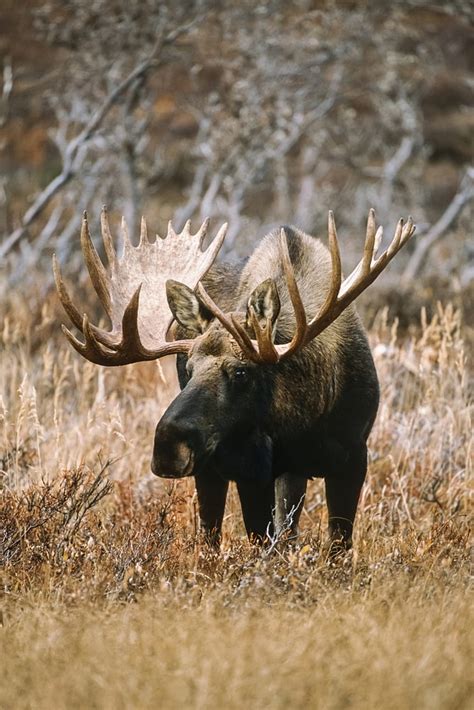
(110, 599)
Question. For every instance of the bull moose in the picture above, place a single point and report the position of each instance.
(277, 380)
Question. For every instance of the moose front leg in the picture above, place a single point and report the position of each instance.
(342, 496)
(257, 503)
(290, 491)
(212, 493)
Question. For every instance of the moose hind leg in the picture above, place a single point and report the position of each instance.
(342, 497)
(212, 493)
(290, 491)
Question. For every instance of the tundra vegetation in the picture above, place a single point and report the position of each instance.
(109, 595)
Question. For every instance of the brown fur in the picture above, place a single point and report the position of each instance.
(307, 416)
(322, 359)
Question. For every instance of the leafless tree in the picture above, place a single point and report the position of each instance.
(273, 116)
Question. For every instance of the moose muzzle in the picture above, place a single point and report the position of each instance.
(173, 453)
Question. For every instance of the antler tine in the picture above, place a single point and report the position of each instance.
(97, 272)
(369, 246)
(130, 346)
(395, 243)
(341, 295)
(91, 349)
(402, 233)
(214, 308)
(143, 232)
(407, 232)
(336, 273)
(130, 333)
(378, 240)
(64, 296)
(127, 244)
(186, 231)
(266, 348)
(121, 354)
(320, 318)
(131, 342)
(202, 231)
(214, 247)
(106, 338)
(295, 296)
(351, 287)
(372, 242)
(228, 323)
(324, 316)
(170, 233)
(81, 348)
(95, 346)
(107, 237)
(245, 342)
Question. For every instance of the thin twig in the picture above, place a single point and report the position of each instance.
(286, 527)
(461, 198)
(74, 155)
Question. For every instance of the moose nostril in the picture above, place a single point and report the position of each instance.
(183, 453)
(172, 459)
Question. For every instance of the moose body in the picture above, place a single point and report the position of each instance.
(270, 427)
(278, 382)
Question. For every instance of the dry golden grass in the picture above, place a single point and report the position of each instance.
(394, 648)
(111, 600)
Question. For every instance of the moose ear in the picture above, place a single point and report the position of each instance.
(186, 307)
(265, 302)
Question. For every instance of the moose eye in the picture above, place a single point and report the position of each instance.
(240, 374)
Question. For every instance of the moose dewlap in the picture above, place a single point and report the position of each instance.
(277, 380)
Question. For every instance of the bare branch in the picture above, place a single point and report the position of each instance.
(306, 195)
(195, 195)
(396, 162)
(281, 532)
(390, 172)
(74, 155)
(6, 89)
(461, 198)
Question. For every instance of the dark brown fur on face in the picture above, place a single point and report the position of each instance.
(270, 427)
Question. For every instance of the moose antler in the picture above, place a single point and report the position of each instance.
(339, 295)
(134, 292)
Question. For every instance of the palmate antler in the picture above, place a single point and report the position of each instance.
(133, 292)
(339, 295)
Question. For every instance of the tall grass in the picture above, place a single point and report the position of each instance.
(85, 530)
